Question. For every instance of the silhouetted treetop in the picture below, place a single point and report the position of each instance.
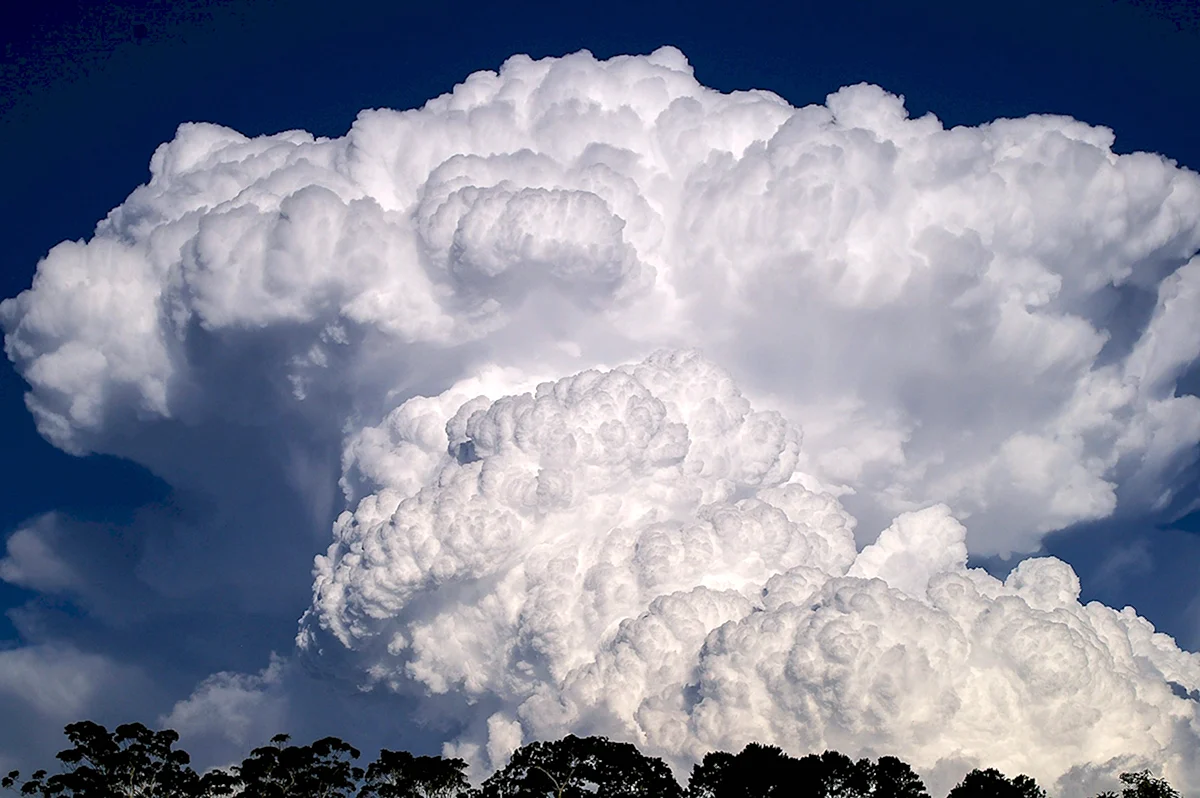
(575, 767)
(1142, 785)
(133, 761)
(762, 771)
(320, 770)
(991, 783)
(399, 774)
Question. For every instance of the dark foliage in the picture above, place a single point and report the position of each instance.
(133, 761)
(762, 771)
(130, 762)
(893, 778)
(574, 767)
(991, 783)
(279, 770)
(758, 771)
(399, 774)
(1142, 785)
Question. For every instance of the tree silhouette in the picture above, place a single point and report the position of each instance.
(892, 778)
(399, 774)
(715, 776)
(575, 767)
(1142, 785)
(130, 762)
(134, 761)
(320, 770)
(835, 775)
(758, 771)
(765, 771)
(991, 783)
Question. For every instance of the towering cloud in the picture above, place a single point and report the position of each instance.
(986, 334)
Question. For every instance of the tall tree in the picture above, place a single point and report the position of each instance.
(991, 783)
(757, 771)
(765, 771)
(320, 770)
(714, 776)
(893, 778)
(131, 761)
(835, 775)
(399, 774)
(586, 767)
(1142, 784)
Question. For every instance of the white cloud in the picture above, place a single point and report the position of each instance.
(232, 712)
(46, 685)
(31, 561)
(56, 681)
(942, 307)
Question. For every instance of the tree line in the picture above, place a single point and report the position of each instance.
(133, 761)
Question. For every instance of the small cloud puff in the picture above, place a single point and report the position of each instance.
(232, 712)
(31, 560)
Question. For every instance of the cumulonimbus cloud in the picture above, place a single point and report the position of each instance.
(989, 324)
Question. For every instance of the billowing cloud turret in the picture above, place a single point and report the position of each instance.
(632, 553)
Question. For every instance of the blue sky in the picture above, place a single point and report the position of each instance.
(88, 95)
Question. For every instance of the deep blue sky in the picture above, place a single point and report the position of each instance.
(87, 93)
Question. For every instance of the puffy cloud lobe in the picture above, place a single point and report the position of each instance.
(45, 685)
(914, 549)
(597, 448)
(632, 553)
(1018, 674)
(55, 681)
(954, 313)
(32, 561)
(238, 711)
